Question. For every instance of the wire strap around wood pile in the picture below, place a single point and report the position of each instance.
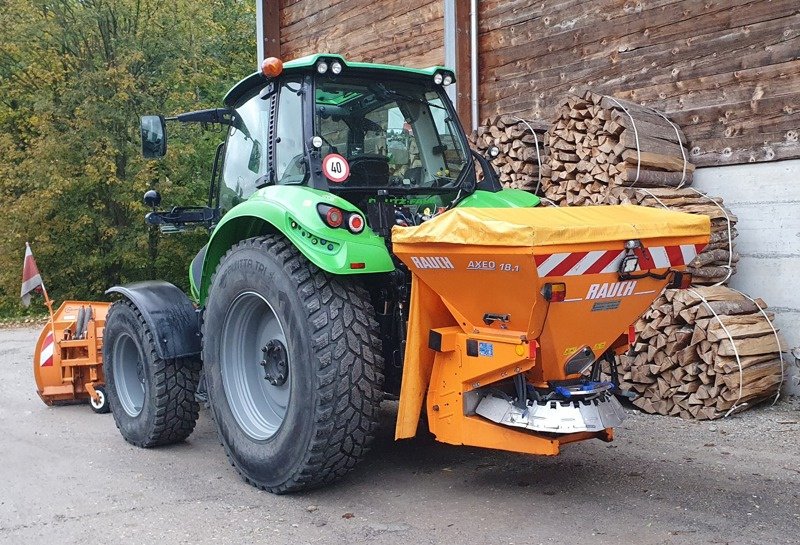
(729, 266)
(735, 353)
(538, 157)
(636, 136)
(777, 340)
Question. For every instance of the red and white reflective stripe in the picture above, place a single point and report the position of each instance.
(607, 261)
(46, 357)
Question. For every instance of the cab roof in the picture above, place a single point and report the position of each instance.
(307, 64)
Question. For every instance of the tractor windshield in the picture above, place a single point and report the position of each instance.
(390, 133)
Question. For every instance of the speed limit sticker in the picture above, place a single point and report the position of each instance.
(336, 168)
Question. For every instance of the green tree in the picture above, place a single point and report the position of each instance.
(75, 75)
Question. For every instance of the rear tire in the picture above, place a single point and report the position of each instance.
(293, 366)
(152, 399)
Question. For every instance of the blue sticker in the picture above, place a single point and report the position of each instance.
(486, 349)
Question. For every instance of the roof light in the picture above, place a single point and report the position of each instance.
(437, 78)
(322, 67)
(272, 67)
(355, 223)
(448, 79)
(316, 141)
(336, 67)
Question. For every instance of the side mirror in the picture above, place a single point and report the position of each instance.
(154, 136)
(152, 198)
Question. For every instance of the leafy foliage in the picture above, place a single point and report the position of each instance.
(75, 75)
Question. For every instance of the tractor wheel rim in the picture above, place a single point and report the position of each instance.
(128, 375)
(250, 330)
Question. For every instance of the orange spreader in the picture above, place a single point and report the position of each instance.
(483, 311)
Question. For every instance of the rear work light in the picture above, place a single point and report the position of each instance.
(554, 292)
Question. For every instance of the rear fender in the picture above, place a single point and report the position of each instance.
(169, 315)
(292, 211)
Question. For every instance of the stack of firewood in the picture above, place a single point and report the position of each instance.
(598, 143)
(717, 262)
(517, 162)
(685, 362)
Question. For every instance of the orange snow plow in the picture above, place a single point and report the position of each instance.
(68, 362)
(514, 313)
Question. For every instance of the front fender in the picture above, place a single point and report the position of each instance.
(292, 211)
(169, 315)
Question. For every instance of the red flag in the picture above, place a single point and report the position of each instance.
(31, 279)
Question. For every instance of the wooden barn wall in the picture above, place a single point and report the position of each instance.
(728, 71)
(408, 33)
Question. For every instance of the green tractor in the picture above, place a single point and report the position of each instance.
(298, 309)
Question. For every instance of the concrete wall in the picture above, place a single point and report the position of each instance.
(766, 199)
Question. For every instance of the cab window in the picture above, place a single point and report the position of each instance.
(249, 161)
(289, 154)
(391, 134)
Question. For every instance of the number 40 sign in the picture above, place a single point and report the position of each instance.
(336, 168)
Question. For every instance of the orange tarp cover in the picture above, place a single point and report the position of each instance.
(552, 226)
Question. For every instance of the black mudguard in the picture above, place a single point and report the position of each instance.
(169, 315)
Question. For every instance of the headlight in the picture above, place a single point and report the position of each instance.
(448, 79)
(437, 78)
(336, 67)
(322, 67)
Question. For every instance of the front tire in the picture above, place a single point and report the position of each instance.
(292, 364)
(152, 399)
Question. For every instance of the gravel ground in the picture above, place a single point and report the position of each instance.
(66, 476)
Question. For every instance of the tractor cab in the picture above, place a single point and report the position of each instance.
(371, 134)
(356, 130)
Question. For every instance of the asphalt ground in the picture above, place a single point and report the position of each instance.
(66, 476)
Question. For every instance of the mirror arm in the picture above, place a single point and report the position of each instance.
(221, 116)
(490, 180)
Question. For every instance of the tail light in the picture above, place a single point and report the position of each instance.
(554, 292)
(335, 217)
(631, 334)
(680, 280)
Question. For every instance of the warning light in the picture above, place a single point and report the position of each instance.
(272, 67)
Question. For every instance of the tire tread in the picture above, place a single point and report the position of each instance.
(348, 367)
